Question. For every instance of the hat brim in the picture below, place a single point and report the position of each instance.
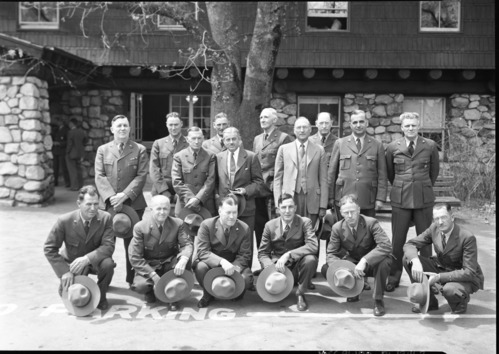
(159, 288)
(343, 264)
(262, 278)
(203, 212)
(426, 287)
(219, 271)
(92, 304)
(318, 227)
(132, 214)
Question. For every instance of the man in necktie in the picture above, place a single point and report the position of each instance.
(361, 240)
(265, 146)
(75, 151)
(223, 241)
(455, 269)
(324, 137)
(85, 251)
(412, 166)
(216, 144)
(289, 241)
(193, 175)
(159, 244)
(162, 152)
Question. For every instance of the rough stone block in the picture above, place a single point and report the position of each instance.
(28, 89)
(32, 186)
(394, 129)
(473, 104)
(28, 197)
(460, 102)
(468, 132)
(35, 81)
(474, 97)
(370, 130)
(361, 101)
(85, 101)
(348, 109)
(5, 136)
(472, 114)
(385, 121)
(94, 111)
(36, 173)
(277, 103)
(29, 103)
(4, 192)
(15, 182)
(18, 80)
(117, 101)
(347, 101)
(4, 157)
(380, 130)
(13, 102)
(30, 124)
(482, 108)
(374, 122)
(291, 97)
(96, 101)
(379, 111)
(31, 115)
(291, 120)
(394, 108)
(383, 99)
(29, 159)
(290, 109)
(31, 136)
(12, 148)
(4, 108)
(459, 122)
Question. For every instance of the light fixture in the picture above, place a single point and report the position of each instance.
(194, 98)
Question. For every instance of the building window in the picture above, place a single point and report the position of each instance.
(195, 111)
(440, 16)
(310, 107)
(38, 15)
(166, 23)
(327, 16)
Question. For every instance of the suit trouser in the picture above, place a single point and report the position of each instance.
(130, 273)
(75, 172)
(303, 270)
(60, 166)
(250, 221)
(454, 292)
(401, 219)
(301, 209)
(104, 271)
(263, 213)
(379, 271)
(201, 268)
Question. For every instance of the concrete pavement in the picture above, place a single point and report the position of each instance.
(33, 317)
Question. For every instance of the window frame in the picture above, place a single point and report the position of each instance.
(186, 118)
(177, 27)
(440, 29)
(35, 25)
(302, 99)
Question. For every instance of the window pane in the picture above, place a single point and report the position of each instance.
(440, 15)
(309, 111)
(34, 14)
(327, 16)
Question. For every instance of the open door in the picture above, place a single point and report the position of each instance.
(136, 116)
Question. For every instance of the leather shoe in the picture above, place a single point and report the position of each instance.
(150, 297)
(205, 301)
(431, 307)
(301, 304)
(460, 308)
(379, 308)
(311, 286)
(257, 272)
(103, 305)
(173, 306)
(353, 299)
(391, 287)
(366, 285)
(252, 287)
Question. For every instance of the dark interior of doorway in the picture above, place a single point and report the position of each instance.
(154, 110)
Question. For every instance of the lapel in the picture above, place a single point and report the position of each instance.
(351, 144)
(347, 234)
(311, 151)
(293, 153)
(94, 225)
(223, 162)
(402, 146)
(78, 226)
(272, 137)
(166, 226)
(216, 142)
(219, 232)
(114, 149)
(127, 150)
(452, 241)
(294, 228)
(367, 142)
(420, 144)
(277, 229)
(189, 156)
(233, 235)
(241, 159)
(154, 230)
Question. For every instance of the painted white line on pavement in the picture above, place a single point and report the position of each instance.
(355, 315)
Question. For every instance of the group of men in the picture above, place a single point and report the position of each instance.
(279, 192)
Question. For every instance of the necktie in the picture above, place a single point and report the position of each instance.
(222, 143)
(232, 167)
(121, 148)
(286, 231)
(266, 136)
(302, 151)
(195, 156)
(174, 144)
(160, 229)
(444, 242)
(359, 145)
(323, 140)
(411, 148)
(227, 233)
(354, 233)
(87, 226)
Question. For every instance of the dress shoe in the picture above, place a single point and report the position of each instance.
(460, 308)
(366, 285)
(432, 307)
(311, 286)
(257, 272)
(205, 301)
(390, 287)
(379, 308)
(252, 287)
(103, 305)
(301, 304)
(174, 306)
(150, 298)
(353, 299)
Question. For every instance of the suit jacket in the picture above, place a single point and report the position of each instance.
(69, 229)
(328, 144)
(248, 176)
(194, 178)
(362, 174)
(126, 173)
(372, 243)
(149, 249)
(212, 245)
(160, 166)
(412, 177)
(458, 261)
(300, 241)
(266, 150)
(286, 173)
(75, 147)
(213, 145)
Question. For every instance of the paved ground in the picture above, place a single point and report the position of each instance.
(33, 317)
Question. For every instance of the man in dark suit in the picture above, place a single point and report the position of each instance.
(59, 138)
(358, 166)
(289, 241)
(265, 146)
(193, 174)
(216, 144)
(223, 241)
(361, 240)
(324, 136)
(456, 268)
(162, 152)
(412, 163)
(159, 245)
(120, 175)
(87, 235)
(75, 149)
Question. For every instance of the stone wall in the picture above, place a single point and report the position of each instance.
(26, 176)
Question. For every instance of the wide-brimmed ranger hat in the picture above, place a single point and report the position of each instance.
(192, 222)
(203, 212)
(327, 224)
(82, 297)
(124, 221)
(274, 286)
(341, 278)
(419, 293)
(172, 288)
(223, 286)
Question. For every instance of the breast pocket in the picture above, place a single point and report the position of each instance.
(371, 162)
(399, 165)
(108, 166)
(345, 162)
(424, 165)
(166, 160)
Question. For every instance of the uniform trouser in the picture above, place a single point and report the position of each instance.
(201, 268)
(301, 209)
(60, 166)
(130, 273)
(303, 270)
(75, 172)
(454, 292)
(104, 271)
(250, 221)
(265, 210)
(379, 271)
(401, 219)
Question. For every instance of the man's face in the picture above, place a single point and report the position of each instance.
(443, 219)
(220, 124)
(267, 120)
(121, 129)
(174, 125)
(351, 213)
(324, 124)
(195, 140)
(302, 130)
(88, 206)
(228, 214)
(287, 209)
(231, 141)
(160, 211)
(410, 127)
(358, 124)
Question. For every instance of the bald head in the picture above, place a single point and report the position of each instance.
(323, 123)
(158, 199)
(160, 208)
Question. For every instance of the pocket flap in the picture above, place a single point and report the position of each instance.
(342, 157)
(371, 157)
(398, 183)
(398, 160)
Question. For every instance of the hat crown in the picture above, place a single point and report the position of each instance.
(343, 278)
(121, 223)
(175, 287)
(416, 293)
(79, 295)
(275, 283)
(223, 286)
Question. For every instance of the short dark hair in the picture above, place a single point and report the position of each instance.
(118, 116)
(442, 206)
(173, 115)
(349, 198)
(230, 199)
(284, 197)
(88, 189)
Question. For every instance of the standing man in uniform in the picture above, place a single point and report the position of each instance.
(162, 151)
(216, 144)
(265, 146)
(324, 136)
(413, 165)
(74, 154)
(120, 175)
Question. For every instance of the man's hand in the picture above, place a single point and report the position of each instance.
(67, 280)
(77, 266)
(155, 278)
(322, 212)
(193, 204)
(180, 267)
(281, 263)
(417, 270)
(434, 279)
(117, 200)
(359, 268)
(378, 205)
(228, 267)
(240, 191)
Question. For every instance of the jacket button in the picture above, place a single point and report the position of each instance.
(195, 167)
